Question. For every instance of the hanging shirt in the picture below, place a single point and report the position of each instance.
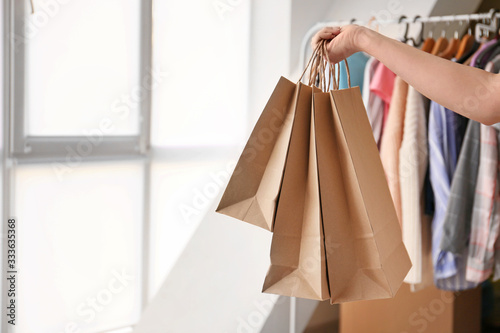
(458, 217)
(413, 163)
(485, 219)
(445, 138)
(487, 53)
(475, 57)
(357, 63)
(475, 46)
(391, 141)
(373, 103)
(382, 84)
(457, 225)
(371, 66)
(485, 225)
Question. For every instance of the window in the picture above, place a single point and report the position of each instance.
(99, 207)
(80, 77)
(79, 247)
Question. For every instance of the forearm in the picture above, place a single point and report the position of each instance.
(469, 91)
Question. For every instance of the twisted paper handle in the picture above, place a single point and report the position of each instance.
(322, 72)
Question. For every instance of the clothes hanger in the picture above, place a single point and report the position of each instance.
(404, 39)
(421, 33)
(441, 44)
(428, 42)
(493, 50)
(483, 31)
(452, 47)
(420, 40)
(479, 34)
(482, 28)
(478, 40)
(466, 42)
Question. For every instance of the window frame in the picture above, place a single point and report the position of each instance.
(24, 146)
(19, 148)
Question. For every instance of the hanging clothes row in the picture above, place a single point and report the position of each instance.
(442, 169)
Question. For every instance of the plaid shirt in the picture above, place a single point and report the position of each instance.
(485, 215)
(484, 246)
(444, 143)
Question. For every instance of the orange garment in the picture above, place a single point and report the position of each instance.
(391, 141)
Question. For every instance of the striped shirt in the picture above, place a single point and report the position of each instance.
(445, 138)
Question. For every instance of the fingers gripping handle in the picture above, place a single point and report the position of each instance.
(321, 68)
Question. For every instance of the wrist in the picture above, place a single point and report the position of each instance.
(362, 39)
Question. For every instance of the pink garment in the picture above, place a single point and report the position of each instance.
(382, 84)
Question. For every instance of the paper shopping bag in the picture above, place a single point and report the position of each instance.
(253, 188)
(298, 266)
(365, 255)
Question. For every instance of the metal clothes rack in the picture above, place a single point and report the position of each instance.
(432, 19)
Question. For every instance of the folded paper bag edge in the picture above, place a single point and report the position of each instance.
(252, 214)
(233, 196)
(295, 284)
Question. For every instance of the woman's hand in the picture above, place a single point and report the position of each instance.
(343, 41)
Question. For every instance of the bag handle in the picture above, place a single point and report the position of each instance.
(316, 66)
(319, 63)
(332, 77)
(314, 70)
(313, 57)
(348, 74)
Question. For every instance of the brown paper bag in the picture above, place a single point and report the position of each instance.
(252, 192)
(298, 266)
(311, 171)
(366, 258)
(253, 189)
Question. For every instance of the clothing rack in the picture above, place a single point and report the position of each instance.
(493, 14)
(451, 312)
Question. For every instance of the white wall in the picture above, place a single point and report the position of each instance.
(455, 7)
(269, 50)
(382, 10)
(304, 15)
